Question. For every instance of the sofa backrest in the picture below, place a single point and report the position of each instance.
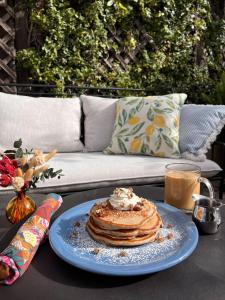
(45, 90)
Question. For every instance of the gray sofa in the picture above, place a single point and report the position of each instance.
(55, 123)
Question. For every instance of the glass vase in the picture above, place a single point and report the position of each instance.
(19, 207)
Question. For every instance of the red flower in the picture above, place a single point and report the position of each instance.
(15, 163)
(7, 166)
(5, 180)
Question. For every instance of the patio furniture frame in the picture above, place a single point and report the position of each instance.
(49, 90)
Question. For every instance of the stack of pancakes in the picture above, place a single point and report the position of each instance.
(137, 226)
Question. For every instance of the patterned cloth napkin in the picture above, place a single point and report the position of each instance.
(16, 258)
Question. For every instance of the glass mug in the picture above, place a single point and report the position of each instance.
(181, 182)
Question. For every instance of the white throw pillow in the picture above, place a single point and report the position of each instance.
(45, 123)
(99, 120)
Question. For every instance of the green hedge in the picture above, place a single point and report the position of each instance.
(184, 52)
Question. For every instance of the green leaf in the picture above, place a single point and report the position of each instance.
(136, 129)
(171, 104)
(19, 153)
(122, 146)
(120, 122)
(133, 101)
(132, 113)
(140, 105)
(150, 114)
(145, 148)
(168, 141)
(175, 139)
(58, 171)
(176, 153)
(140, 135)
(124, 114)
(162, 111)
(32, 184)
(122, 131)
(110, 3)
(17, 144)
(158, 143)
(55, 173)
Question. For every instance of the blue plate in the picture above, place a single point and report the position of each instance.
(71, 242)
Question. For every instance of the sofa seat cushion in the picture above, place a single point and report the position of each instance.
(92, 170)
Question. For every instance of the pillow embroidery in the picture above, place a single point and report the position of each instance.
(147, 125)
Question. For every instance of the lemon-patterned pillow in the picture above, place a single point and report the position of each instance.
(147, 125)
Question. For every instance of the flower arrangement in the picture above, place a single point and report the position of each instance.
(23, 169)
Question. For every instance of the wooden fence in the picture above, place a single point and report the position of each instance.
(7, 44)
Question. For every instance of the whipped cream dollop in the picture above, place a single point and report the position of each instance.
(124, 199)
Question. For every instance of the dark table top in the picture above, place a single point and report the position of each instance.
(201, 276)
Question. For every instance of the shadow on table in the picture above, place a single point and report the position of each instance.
(50, 266)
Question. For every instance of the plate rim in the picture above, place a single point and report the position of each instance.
(126, 270)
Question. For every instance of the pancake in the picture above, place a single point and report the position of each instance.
(124, 220)
(108, 233)
(106, 217)
(121, 242)
(151, 225)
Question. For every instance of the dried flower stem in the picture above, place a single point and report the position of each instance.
(19, 172)
(29, 175)
(23, 160)
(50, 155)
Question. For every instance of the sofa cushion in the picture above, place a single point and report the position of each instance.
(199, 127)
(99, 120)
(45, 123)
(147, 125)
(91, 170)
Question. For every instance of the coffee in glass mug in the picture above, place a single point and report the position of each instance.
(181, 182)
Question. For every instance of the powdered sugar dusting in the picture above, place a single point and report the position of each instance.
(76, 238)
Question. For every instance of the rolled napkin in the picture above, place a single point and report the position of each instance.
(16, 258)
